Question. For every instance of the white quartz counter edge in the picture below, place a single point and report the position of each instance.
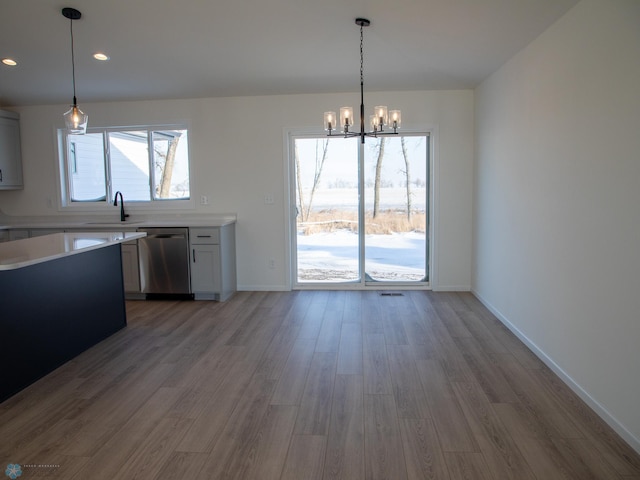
(30, 251)
(129, 224)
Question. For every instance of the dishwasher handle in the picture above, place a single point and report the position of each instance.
(166, 235)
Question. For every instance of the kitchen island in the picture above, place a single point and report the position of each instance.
(59, 295)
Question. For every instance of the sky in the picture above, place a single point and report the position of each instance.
(341, 166)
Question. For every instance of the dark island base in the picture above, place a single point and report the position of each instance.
(52, 311)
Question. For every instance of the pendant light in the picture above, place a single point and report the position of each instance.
(75, 119)
(380, 118)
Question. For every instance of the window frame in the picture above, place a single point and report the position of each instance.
(65, 166)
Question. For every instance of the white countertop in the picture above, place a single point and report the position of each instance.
(22, 253)
(108, 222)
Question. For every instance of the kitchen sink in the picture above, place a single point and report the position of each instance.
(111, 222)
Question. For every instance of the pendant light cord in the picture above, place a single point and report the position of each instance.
(361, 84)
(361, 56)
(73, 65)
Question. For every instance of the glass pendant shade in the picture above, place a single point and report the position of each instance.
(381, 113)
(373, 120)
(346, 118)
(76, 121)
(330, 121)
(395, 119)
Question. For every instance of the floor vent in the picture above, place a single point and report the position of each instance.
(391, 294)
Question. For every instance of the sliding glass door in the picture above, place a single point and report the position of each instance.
(396, 176)
(361, 211)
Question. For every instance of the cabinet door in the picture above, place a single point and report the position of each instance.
(10, 156)
(205, 268)
(39, 232)
(18, 234)
(130, 268)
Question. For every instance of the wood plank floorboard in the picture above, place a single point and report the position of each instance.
(467, 466)
(310, 385)
(305, 458)
(350, 350)
(377, 378)
(384, 455)
(344, 458)
(453, 429)
(315, 405)
(410, 399)
(421, 450)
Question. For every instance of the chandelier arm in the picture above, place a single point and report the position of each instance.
(345, 134)
(381, 134)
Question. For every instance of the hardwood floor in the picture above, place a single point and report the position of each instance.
(309, 385)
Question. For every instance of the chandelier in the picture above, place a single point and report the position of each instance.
(381, 116)
(75, 119)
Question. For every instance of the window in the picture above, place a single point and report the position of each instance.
(146, 164)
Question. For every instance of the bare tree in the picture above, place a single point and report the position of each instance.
(407, 173)
(169, 157)
(301, 209)
(376, 184)
(322, 148)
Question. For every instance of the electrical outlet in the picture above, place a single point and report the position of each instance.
(271, 263)
(204, 200)
(268, 199)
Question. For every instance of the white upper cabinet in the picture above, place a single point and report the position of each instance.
(10, 153)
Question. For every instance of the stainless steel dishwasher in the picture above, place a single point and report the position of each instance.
(164, 261)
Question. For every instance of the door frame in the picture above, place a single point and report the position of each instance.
(289, 134)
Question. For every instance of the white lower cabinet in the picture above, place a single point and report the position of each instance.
(130, 267)
(213, 262)
(39, 232)
(205, 269)
(18, 234)
(21, 234)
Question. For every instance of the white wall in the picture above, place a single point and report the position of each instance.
(557, 202)
(238, 156)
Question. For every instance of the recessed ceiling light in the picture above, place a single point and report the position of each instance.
(101, 56)
(9, 61)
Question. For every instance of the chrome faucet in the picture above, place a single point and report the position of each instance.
(123, 216)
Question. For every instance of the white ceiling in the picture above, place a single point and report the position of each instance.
(212, 48)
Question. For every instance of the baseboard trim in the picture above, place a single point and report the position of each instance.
(451, 288)
(570, 382)
(263, 288)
